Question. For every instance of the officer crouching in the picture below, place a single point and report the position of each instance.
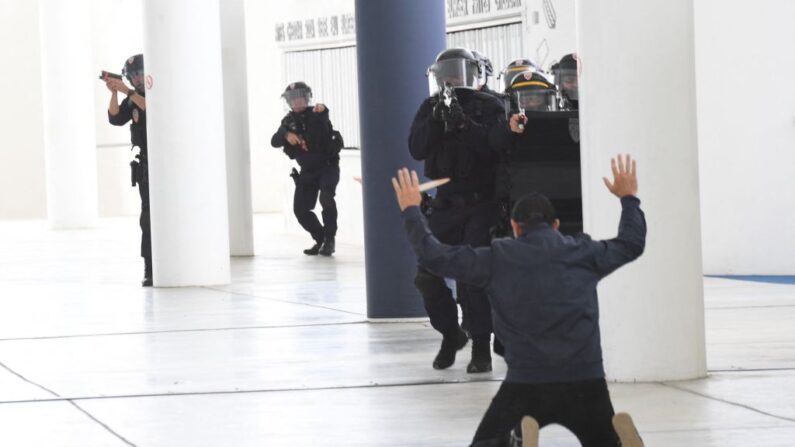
(307, 136)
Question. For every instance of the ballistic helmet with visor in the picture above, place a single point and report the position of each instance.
(532, 91)
(565, 72)
(515, 67)
(133, 70)
(298, 96)
(457, 67)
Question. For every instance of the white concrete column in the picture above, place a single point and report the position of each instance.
(238, 152)
(185, 129)
(638, 96)
(68, 105)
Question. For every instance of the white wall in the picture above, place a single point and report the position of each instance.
(22, 179)
(117, 34)
(269, 166)
(746, 113)
(117, 27)
(546, 44)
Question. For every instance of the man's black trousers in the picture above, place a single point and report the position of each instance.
(583, 407)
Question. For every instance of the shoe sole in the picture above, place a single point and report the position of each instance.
(529, 432)
(626, 430)
(471, 370)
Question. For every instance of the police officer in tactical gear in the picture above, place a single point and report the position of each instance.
(515, 67)
(451, 135)
(539, 150)
(133, 109)
(307, 136)
(565, 72)
(531, 91)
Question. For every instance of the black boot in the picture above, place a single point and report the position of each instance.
(147, 281)
(481, 357)
(451, 343)
(314, 250)
(328, 246)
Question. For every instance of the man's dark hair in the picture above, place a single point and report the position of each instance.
(532, 209)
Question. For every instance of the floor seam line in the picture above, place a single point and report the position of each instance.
(283, 301)
(177, 331)
(26, 380)
(276, 390)
(728, 402)
(104, 425)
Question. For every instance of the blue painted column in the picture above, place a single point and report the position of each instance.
(396, 41)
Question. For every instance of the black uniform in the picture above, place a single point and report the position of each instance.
(320, 170)
(129, 111)
(463, 210)
(545, 159)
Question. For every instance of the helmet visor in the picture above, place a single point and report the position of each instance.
(536, 100)
(460, 73)
(298, 99)
(566, 80)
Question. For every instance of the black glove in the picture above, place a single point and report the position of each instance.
(440, 111)
(457, 116)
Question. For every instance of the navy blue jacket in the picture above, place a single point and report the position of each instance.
(542, 287)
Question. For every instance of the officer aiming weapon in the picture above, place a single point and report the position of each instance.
(448, 109)
(522, 117)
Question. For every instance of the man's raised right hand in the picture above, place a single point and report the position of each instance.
(625, 179)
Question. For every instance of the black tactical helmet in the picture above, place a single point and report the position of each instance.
(515, 67)
(456, 53)
(134, 66)
(296, 86)
(295, 91)
(485, 63)
(456, 66)
(568, 61)
(566, 72)
(532, 91)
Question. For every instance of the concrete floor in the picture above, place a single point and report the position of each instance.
(284, 357)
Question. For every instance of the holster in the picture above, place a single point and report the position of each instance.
(294, 174)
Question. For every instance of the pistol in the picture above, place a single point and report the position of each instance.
(447, 97)
(105, 75)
